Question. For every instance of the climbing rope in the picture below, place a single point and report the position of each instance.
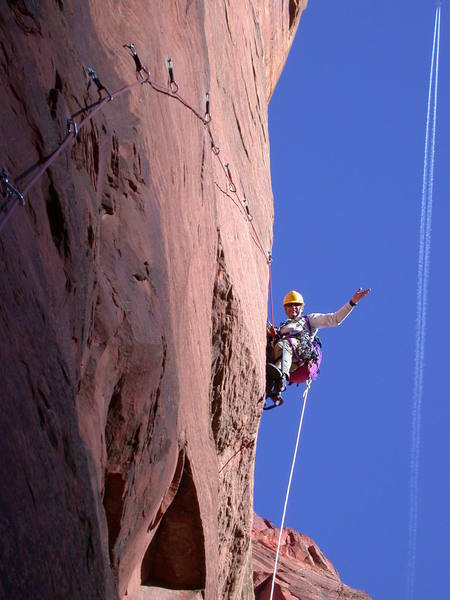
(73, 129)
(13, 196)
(270, 287)
(305, 396)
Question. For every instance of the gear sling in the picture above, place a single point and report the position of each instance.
(308, 370)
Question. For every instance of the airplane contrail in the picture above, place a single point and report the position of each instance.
(422, 298)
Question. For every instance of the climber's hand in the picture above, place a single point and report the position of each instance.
(359, 295)
(272, 331)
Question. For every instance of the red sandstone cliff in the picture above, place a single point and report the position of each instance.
(132, 320)
(303, 571)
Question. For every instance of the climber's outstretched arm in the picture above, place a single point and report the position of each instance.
(319, 320)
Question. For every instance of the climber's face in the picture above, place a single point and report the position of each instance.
(293, 310)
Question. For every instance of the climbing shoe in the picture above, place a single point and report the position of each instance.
(276, 401)
(275, 380)
(273, 377)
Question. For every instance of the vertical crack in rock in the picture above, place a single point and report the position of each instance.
(5, 63)
(115, 483)
(175, 558)
(227, 19)
(225, 392)
(137, 166)
(294, 8)
(249, 106)
(202, 168)
(115, 418)
(47, 419)
(57, 222)
(255, 81)
(170, 494)
(256, 84)
(233, 386)
(113, 501)
(222, 328)
(54, 94)
(155, 396)
(240, 132)
(86, 152)
(112, 178)
(114, 162)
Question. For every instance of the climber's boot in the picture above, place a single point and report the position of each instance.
(274, 380)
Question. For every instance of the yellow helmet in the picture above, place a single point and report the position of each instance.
(293, 297)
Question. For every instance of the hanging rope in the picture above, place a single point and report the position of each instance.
(305, 396)
(270, 288)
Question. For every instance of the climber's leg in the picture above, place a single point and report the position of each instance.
(285, 366)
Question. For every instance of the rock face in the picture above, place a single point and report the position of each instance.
(134, 287)
(303, 572)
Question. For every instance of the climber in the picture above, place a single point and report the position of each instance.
(294, 348)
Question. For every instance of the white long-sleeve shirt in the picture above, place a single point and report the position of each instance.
(316, 320)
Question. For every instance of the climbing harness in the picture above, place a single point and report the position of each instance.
(309, 358)
(311, 350)
(305, 396)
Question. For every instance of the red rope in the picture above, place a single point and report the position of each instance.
(270, 293)
(41, 168)
(215, 149)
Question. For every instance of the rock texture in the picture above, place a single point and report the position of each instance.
(132, 321)
(303, 572)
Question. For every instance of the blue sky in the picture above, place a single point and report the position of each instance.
(347, 127)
